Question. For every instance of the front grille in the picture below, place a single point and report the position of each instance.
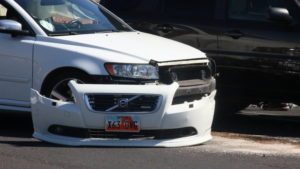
(122, 103)
(189, 98)
(193, 93)
(195, 81)
(184, 75)
(143, 134)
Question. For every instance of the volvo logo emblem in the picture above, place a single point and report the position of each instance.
(123, 103)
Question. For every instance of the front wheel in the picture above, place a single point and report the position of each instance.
(57, 87)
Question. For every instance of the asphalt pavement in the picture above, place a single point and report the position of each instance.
(247, 140)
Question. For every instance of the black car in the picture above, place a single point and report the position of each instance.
(255, 43)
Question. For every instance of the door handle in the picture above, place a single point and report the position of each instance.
(235, 34)
(165, 28)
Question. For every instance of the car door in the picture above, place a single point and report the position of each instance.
(15, 63)
(256, 50)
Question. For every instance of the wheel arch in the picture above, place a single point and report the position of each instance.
(51, 75)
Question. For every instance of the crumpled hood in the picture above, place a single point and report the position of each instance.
(129, 46)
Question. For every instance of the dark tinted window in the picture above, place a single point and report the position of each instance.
(120, 5)
(132, 6)
(252, 9)
(190, 8)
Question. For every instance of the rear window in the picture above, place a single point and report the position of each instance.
(254, 10)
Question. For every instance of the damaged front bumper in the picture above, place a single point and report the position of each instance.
(161, 122)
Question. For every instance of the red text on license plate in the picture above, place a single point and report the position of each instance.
(122, 124)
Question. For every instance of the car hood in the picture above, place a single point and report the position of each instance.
(124, 46)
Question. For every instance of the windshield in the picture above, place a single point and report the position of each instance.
(60, 17)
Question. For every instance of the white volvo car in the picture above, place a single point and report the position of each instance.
(91, 80)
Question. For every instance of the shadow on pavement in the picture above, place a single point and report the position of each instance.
(14, 124)
(16, 129)
(32, 144)
(255, 122)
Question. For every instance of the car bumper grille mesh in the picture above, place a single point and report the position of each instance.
(143, 134)
(122, 103)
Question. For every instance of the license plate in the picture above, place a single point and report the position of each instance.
(122, 124)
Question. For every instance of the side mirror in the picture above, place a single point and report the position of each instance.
(12, 27)
(280, 15)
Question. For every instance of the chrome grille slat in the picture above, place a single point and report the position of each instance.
(111, 103)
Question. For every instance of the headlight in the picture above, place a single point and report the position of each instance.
(132, 71)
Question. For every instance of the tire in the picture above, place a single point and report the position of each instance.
(57, 86)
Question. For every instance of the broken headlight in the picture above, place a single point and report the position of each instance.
(135, 71)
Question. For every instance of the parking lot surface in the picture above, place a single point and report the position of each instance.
(246, 140)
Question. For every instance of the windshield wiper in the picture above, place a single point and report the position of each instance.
(108, 31)
(74, 33)
(64, 33)
(78, 33)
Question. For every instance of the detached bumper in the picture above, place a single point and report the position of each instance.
(195, 116)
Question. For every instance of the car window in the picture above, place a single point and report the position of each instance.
(62, 17)
(255, 10)
(190, 9)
